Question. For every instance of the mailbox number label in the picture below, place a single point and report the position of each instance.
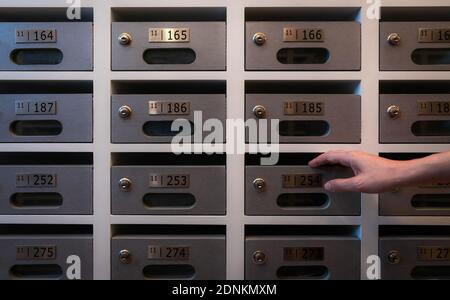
(434, 108)
(169, 181)
(36, 252)
(302, 181)
(169, 35)
(169, 108)
(303, 35)
(31, 36)
(35, 107)
(168, 252)
(434, 35)
(36, 180)
(301, 108)
(433, 253)
(303, 254)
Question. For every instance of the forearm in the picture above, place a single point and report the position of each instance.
(433, 169)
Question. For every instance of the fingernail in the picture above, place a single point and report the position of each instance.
(327, 186)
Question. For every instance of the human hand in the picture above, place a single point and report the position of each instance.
(373, 174)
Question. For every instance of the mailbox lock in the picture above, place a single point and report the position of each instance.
(394, 39)
(125, 184)
(125, 256)
(393, 257)
(394, 111)
(259, 184)
(259, 111)
(260, 38)
(125, 39)
(259, 257)
(125, 112)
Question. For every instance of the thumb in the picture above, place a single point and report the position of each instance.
(342, 185)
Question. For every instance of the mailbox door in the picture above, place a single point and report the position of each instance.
(310, 118)
(280, 197)
(152, 115)
(51, 118)
(303, 258)
(416, 50)
(416, 201)
(46, 46)
(46, 190)
(422, 119)
(169, 190)
(418, 258)
(201, 47)
(330, 46)
(46, 257)
(169, 257)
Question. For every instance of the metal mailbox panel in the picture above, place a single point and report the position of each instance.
(399, 57)
(74, 55)
(341, 39)
(72, 257)
(341, 257)
(341, 112)
(46, 190)
(72, 111)
(207, 40)
(206, 257)
(407, 252)
(204, 193)
(400, 129)
(417, 201)
(266, 202)
(131, 129)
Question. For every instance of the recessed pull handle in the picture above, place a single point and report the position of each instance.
(163, 128)
(169, 200)
(433, 56)
(303, 56)
(309, 200)
(170, 56)
(431, 201)
(36, 128)
(431, 273)
(172, 272)
(36, 200)
(23, 57)
(304, 128)
(28, 272)
(302, 272)
(431, 128)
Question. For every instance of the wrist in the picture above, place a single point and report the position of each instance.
(406, 173)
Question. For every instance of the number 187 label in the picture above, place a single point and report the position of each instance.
(35, 107)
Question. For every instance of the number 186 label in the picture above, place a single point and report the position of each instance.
(169, 108)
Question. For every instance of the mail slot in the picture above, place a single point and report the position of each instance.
(147, 115)
(45, 117)
(290, 39)
(415, 39)
(168, 39)
(420, 200)
(44, 39)
(170, 253)
(305, 117)
(37, 252)
(301, 253)
(415, 118)
(297, 190)
(415, 253)
(46, 184)
(165, 184)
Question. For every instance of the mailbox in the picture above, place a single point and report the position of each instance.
(301, 46)
(426, 200)
(423, 255)
(418, 118)
(168, 46)
(169, 257)
(415, 46)
(169, 190)
(46, 256)
(297, 190)
(302, 257)
(49, 42)
(308, 118)
(149, 118)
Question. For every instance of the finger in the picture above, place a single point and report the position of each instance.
(342, 185)
(332, 158)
